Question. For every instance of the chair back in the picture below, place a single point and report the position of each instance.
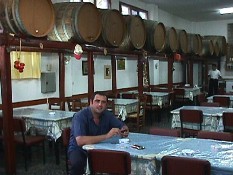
(111, 106)
(227, 118)
(179, 92)
(201, 98)
(193, 117)
(20, 127)
(56, 104)
(222, 100)
(215, 135)
(128, 95)
(109, 161)
(165, 132)
(172, 165)
(66, 136)
(65, 141)
(210, 104)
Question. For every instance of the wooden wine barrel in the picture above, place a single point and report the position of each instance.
(80, 22)
(200, 44)
(27, 17)
(135, 36)
(113, 28)
(221, 42)
(216, 48)
(193, 44)
(171, 40)
(182, 41)
(155, 36)
(207, 47)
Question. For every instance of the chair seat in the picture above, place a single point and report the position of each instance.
(134, 115)
(29, 140)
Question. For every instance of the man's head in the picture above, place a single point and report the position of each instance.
(214, 66)
(99, 102)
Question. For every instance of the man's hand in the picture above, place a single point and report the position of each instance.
(113, 132)
(124, 131)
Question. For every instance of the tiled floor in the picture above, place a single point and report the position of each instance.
(36, 166)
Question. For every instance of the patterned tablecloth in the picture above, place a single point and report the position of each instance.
(147, 161)
(212, 119)
(48, 122)
(123, 107)
(158, 98)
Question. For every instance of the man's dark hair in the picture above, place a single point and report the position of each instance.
(100, 93)
(214, 65)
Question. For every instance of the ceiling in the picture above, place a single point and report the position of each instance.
(194, 10)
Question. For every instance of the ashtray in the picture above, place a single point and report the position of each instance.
(51, 113)
(124, 140)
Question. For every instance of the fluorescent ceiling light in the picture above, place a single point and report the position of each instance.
(226, 10)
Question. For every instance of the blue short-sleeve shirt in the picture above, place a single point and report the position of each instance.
(84, 125)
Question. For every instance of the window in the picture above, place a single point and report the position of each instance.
(127, 9)
(103, 4)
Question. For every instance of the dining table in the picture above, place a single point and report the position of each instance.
(158, 98)
(212, 117)
(123, 107)
(148, 160)
(45, 122)
(210, 98)
(191, 92)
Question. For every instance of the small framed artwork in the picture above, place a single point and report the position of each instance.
(107, 71)
(84, 67)
(121, 64)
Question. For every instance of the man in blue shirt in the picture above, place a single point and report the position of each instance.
(92, 125)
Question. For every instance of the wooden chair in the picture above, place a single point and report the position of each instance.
(179, 97)
(128, 95)
(152, 109)
(222, 100)
(210, 104)
(215, 135)
(56, 104)
(227, 118)
(137, 119)
(27, 141)
(65, 141)
(1, 132)
(109, 161)
(201, 98)
(192, 117)
(75, 104)
(168, 107)
(172, 165)
(165, 132)
(111, 106)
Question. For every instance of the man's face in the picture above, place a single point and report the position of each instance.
(99, 103)
(214, 67)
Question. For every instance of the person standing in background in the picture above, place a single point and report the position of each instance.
(214, 75)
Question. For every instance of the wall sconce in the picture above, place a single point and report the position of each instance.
(67, 59)
(156, 65)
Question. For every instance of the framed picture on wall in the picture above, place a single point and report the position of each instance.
(84, 67)
(107, 71)
(121, 64)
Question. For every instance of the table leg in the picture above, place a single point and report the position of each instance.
(56, 149)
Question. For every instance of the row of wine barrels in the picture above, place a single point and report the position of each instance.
(85, 23)
(27, 17)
